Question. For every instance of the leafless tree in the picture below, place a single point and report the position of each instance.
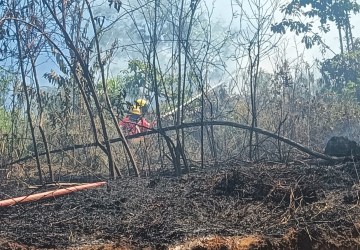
(257, 42)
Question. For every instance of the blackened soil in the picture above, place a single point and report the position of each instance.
(319, 204)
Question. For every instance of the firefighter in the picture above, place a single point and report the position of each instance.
(142, 105)
(134, 122)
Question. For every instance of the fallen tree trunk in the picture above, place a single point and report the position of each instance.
(292, 143)
(49, 194)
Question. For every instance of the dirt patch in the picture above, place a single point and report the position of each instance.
(7, 244)
(260, 207)
(223, 243)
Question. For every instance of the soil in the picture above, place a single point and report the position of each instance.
(263, 206)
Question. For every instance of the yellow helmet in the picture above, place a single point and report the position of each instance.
(140, 102)
(135, 110)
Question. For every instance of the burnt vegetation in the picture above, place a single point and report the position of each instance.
(316, 203)
(251, 145)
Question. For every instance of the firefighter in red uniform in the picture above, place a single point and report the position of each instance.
(134, 122)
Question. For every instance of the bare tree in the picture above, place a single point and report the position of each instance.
(258, 41)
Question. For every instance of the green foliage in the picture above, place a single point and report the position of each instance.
(116, 94)
(342, 71)
(127, 85)
(326, 10)
(137, 80)
(334, 11)
(6, 80)
(137, 76)
(58, 102)
(5, 121)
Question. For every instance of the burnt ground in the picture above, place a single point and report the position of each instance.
(270, 206)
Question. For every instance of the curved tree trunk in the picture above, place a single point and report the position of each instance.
(290, 142)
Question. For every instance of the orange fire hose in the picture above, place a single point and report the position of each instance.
(49, 194)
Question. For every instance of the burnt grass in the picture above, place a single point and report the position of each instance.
(320, 203)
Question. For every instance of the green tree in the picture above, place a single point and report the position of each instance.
(342, 71)
(136, 81)
(337, 11)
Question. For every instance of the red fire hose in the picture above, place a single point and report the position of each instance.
(48, 194)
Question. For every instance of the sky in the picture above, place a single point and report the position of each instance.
(222, 11)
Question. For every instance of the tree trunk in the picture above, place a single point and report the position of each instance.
(340, 40)
(41, 116)
(121, 134)
(28, 109)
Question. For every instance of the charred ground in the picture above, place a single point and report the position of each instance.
(297, 206)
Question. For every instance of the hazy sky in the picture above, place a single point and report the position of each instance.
(222, 11)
